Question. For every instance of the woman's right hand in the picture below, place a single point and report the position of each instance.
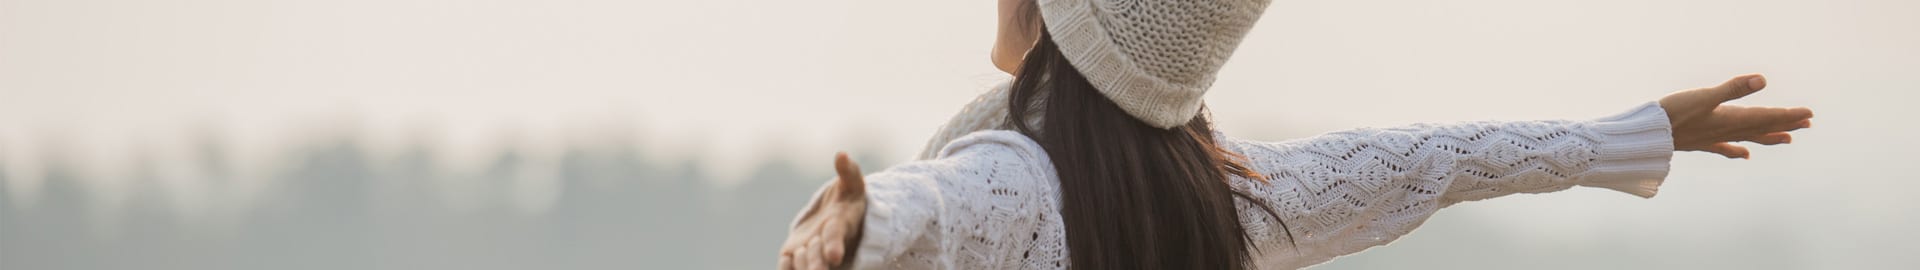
(1702, 123)
(828, 233)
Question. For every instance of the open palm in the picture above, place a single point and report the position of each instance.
(828, 233)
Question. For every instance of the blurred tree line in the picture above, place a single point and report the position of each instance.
(333, 208)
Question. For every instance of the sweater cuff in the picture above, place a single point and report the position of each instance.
(896, 207)
(1635, 151)
(877, 238)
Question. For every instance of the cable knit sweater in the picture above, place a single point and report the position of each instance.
(989, 199)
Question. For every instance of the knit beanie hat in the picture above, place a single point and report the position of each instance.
(1155, 58)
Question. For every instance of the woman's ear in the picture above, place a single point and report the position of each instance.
(1006, 63)
(1019, 28)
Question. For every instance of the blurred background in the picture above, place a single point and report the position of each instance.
(590, 134)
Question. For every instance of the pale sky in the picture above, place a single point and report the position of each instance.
(735, 82)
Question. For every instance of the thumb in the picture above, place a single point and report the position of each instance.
(851, 182)
(1729, 150)
(1741, 86)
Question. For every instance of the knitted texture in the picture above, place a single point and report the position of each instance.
(1153, 58)
(990, 199)
(986, 112)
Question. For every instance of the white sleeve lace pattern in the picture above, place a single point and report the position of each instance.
(990, 200)
(1344, 192)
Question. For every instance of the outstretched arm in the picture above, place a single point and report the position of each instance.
(1343, 192)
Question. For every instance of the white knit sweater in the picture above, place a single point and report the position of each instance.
(989, 199)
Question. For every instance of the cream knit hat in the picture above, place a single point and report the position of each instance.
(1153, 57)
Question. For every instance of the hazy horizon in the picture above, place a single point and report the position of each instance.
(522, 134)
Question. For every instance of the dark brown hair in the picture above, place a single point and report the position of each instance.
(1132, 196)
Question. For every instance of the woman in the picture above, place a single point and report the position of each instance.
(1110, 162)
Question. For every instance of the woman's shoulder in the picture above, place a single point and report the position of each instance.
(993, 144)
(986, 112)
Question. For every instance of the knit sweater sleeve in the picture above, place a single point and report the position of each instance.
(985, 201)
(1343, 192)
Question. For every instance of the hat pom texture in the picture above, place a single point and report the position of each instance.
(1153, 58)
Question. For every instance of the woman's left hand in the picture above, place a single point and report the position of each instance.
(828, 234)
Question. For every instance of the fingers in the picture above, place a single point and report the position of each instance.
(1791, 126)
(1707, 98)
(1772, 138)
(786, 260)
(804, 257)
(1741, 86)
(1786, 119)
(790, 251)
(1766, 119)
(821, 260)
(1729, 150)
(851, 182)
(1779, 114)
(833, 244)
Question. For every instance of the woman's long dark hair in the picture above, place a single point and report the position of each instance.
(1132, 196)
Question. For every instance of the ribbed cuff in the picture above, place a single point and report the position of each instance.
(885, 232)
(877, 238)
(1635, 153)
